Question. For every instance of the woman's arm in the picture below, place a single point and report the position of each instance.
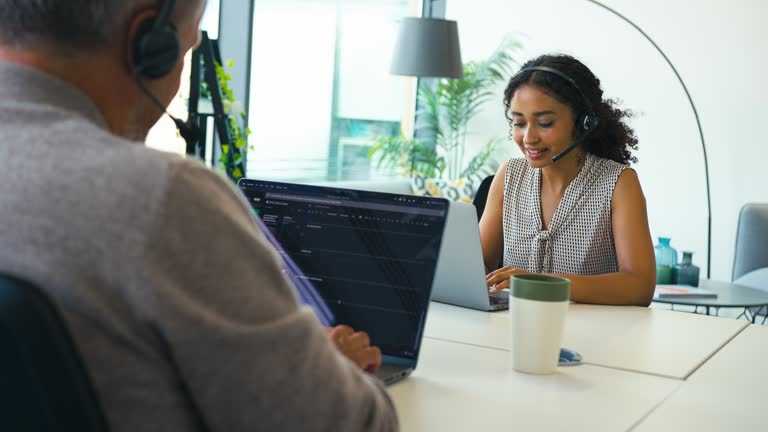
(491, 229)
(634, 283)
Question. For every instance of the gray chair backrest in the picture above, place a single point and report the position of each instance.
(757, 279)
(751, 239)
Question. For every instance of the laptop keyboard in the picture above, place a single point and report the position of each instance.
(501, 297)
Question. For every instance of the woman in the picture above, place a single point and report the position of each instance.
(571, 207)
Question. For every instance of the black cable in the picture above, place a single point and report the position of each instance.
(188, 130)
(149, 94)
(698, 124)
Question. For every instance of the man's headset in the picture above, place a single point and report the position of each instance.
(587, 121)
(156, 50)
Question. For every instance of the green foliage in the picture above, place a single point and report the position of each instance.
(407, 155)
(232, 155)
(445, 109)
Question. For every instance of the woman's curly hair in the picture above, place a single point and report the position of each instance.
(612, 138)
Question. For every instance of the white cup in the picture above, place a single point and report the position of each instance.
(537, 307)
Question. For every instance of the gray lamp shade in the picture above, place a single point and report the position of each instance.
(427, 47)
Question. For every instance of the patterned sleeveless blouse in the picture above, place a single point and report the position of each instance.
(579, 239)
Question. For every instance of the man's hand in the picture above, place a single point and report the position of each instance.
(356, 346)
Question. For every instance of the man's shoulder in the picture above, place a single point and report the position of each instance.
(137, 164)
(122, 174)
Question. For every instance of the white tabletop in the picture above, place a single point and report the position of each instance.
(653, 341)
(726, 393)
(459, 387)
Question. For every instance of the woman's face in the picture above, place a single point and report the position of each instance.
(541, 126)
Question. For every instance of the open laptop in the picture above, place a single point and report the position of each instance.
(371, 256)
(460, 276)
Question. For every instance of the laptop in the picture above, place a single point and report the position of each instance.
(371, 256)
(460, 276)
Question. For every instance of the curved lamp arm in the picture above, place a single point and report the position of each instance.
(698, 124)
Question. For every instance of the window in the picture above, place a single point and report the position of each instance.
(320, 88)
(163, 136)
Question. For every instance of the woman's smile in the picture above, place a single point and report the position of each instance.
(534, 153)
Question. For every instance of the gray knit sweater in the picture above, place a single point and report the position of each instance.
(174, 298)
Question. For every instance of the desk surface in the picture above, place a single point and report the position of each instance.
(652, 341)
(459, 387)
(728, 295)
(726, 393)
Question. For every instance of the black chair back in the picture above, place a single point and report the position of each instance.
(482, 196)
(43, 383)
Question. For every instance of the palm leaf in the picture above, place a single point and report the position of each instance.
(480, 165)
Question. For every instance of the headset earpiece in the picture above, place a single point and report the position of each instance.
(156, 47)
(589, 123)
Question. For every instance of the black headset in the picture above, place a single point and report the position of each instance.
(156, 50)
(587, 121)
(156, 47)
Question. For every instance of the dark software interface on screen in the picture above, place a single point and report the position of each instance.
(371, 256)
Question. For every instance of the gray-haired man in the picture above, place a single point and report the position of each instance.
(173, 296)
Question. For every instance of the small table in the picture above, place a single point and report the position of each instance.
(729, 295)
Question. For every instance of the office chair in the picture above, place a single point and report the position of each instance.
(482, 196)
(751, 240)
(43, 383)
(750, 258)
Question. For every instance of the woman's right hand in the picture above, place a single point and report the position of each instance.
(497, 280)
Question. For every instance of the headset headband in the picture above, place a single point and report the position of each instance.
(164, 16)
(565, 77)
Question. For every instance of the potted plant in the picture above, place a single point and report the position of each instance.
(435, 159)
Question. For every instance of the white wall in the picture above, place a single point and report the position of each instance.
(719, 48)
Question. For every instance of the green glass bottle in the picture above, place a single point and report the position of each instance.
(666, 259)
(686, 273)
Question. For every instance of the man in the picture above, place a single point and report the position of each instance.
(173, 296)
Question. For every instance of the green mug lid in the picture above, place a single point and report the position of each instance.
(540, 287)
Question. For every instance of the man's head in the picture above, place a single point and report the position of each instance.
(79, 40)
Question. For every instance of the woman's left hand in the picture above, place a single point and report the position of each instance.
(497, 280)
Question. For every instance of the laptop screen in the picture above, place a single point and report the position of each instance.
(371, 256)
(307, 292)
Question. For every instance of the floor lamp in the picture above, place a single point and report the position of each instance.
(698, 124)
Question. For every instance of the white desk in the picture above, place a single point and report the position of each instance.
(459, 387)
(726, 393)
(653, 341)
